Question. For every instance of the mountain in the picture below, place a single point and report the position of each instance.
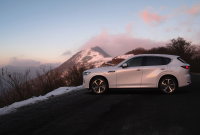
(98, 49)
(93, 55)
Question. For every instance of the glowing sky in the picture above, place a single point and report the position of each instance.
(33, 32)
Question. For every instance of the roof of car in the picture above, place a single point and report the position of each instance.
(165, 55)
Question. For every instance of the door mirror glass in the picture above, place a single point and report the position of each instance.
(124, 65)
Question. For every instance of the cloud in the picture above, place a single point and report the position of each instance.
(23, 62)
(152, 18)
(116, 44)
(67, 53)
(182, 14)
(194, 10)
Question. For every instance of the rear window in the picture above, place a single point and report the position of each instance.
(181, 60)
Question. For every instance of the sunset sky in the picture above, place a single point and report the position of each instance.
(34, 32)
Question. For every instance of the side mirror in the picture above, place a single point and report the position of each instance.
(124, 65)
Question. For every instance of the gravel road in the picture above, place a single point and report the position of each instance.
(119, 112)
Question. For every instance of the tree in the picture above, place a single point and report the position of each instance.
(181, 47)
(158, 50)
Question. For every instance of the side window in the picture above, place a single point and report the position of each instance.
(181, 60)
(153, 61)
(167, 60)
(134, 62)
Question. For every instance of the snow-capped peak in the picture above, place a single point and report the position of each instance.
(88, 55)
(95, 56)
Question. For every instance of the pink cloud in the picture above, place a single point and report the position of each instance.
(117, 44)
(194, 10)
(152, 18)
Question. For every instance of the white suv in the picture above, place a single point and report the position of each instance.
(166, 72)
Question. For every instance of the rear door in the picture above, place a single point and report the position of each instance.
(154, 67)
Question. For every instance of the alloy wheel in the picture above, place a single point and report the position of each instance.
(99, 86)
(168, 85)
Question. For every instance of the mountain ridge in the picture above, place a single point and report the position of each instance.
(91, 55)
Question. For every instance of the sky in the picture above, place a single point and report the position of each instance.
(35, 32)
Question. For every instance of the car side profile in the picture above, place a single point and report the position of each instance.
(166, 72)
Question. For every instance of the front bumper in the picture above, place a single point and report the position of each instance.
(86, 81)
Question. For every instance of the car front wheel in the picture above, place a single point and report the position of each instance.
(99, 85)
(168, 85)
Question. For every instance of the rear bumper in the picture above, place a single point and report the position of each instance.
(184, 80)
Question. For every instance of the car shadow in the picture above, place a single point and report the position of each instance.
(141, 91)
(134, 91)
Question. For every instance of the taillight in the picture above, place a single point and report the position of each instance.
(186, 67)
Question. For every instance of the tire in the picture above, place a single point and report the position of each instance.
(99, 85)
(168, 85)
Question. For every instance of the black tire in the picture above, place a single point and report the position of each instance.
(99, 85)
(168, 85)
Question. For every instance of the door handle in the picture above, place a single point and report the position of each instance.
(138, 70)
(162, 69)
(111, 71)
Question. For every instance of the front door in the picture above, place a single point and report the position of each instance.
(130, 76)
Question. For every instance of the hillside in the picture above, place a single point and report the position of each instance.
(95, 56)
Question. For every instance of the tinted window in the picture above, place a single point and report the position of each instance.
(135, 62)
(151, 61)
(167, 60)
(181, 60)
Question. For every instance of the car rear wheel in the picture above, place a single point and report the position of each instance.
(168, 85)
(99, 85)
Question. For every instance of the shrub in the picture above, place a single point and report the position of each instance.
(16, 87)
(74, 75)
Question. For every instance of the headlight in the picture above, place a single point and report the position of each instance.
(86, 73)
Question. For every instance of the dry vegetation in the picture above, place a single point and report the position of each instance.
(16, 87)
(74, 75)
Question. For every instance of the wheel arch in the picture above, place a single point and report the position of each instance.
(98, 76)
(170, 76)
